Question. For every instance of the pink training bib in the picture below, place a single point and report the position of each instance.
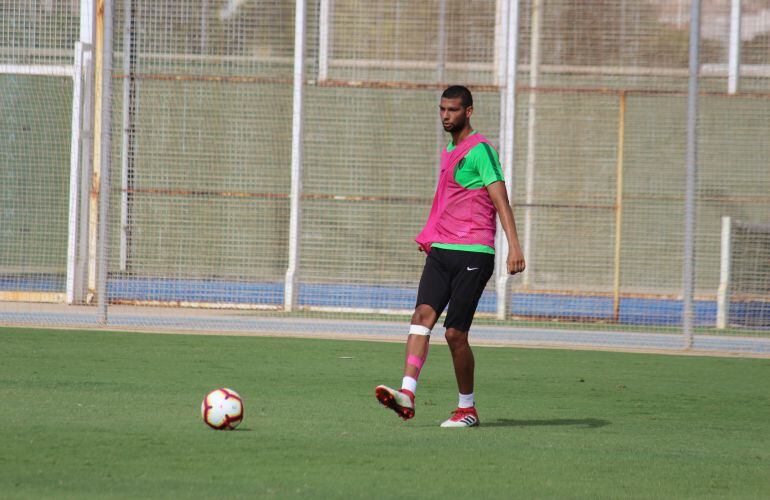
(459, 215)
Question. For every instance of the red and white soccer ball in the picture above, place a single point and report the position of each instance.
(222, 409)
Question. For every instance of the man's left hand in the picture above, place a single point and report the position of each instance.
(515, 261)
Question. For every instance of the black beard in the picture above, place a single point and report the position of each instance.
(453, 127)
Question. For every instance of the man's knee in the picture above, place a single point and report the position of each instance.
(456, 338)
(424, 315)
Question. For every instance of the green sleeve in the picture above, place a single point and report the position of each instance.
(488, 164)
(479, 168)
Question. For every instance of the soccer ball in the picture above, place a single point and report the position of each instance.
(222, 409)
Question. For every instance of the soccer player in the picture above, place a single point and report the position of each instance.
(459, 240)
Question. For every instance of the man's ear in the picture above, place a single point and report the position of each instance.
(469, 111)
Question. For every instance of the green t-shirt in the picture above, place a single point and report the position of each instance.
(479, 169)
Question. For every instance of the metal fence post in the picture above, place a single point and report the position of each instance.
(291, 282)
(324, 32)
(688, 271)
(507, 146)
(534, 82)
(127, 149)
(619, 205)
(734, 56)
(102, 254)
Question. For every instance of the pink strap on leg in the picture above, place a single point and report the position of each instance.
(411, 359)
(415, 361)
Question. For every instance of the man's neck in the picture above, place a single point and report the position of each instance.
(457, 137)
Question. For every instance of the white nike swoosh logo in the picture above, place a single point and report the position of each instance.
(471, 268)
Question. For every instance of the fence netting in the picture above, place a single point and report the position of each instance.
(203, 103)
(36, 44)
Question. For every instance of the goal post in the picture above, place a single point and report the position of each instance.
(38, 270)
(75, 173)
(48, 83)
(743, 296)
(724, 274)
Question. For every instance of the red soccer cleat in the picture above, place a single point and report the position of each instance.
(400, 401)
(462, 417)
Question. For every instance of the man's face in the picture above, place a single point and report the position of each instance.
(453, 115)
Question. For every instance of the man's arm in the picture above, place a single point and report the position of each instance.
(499, 197)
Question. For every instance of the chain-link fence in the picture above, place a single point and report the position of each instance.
(246, 186)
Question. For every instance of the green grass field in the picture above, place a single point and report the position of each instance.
(102, 414)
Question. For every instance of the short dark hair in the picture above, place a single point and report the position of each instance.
(456, 91)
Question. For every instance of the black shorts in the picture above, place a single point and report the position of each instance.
(457, 278)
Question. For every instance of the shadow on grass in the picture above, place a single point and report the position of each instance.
(590, 423)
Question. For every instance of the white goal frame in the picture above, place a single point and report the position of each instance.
(82, 73)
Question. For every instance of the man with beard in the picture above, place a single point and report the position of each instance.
(459, 240)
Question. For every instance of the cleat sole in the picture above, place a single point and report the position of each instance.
(387, 400)
(385, 397)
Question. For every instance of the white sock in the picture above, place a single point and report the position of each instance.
(409, 384)
(466, 401)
